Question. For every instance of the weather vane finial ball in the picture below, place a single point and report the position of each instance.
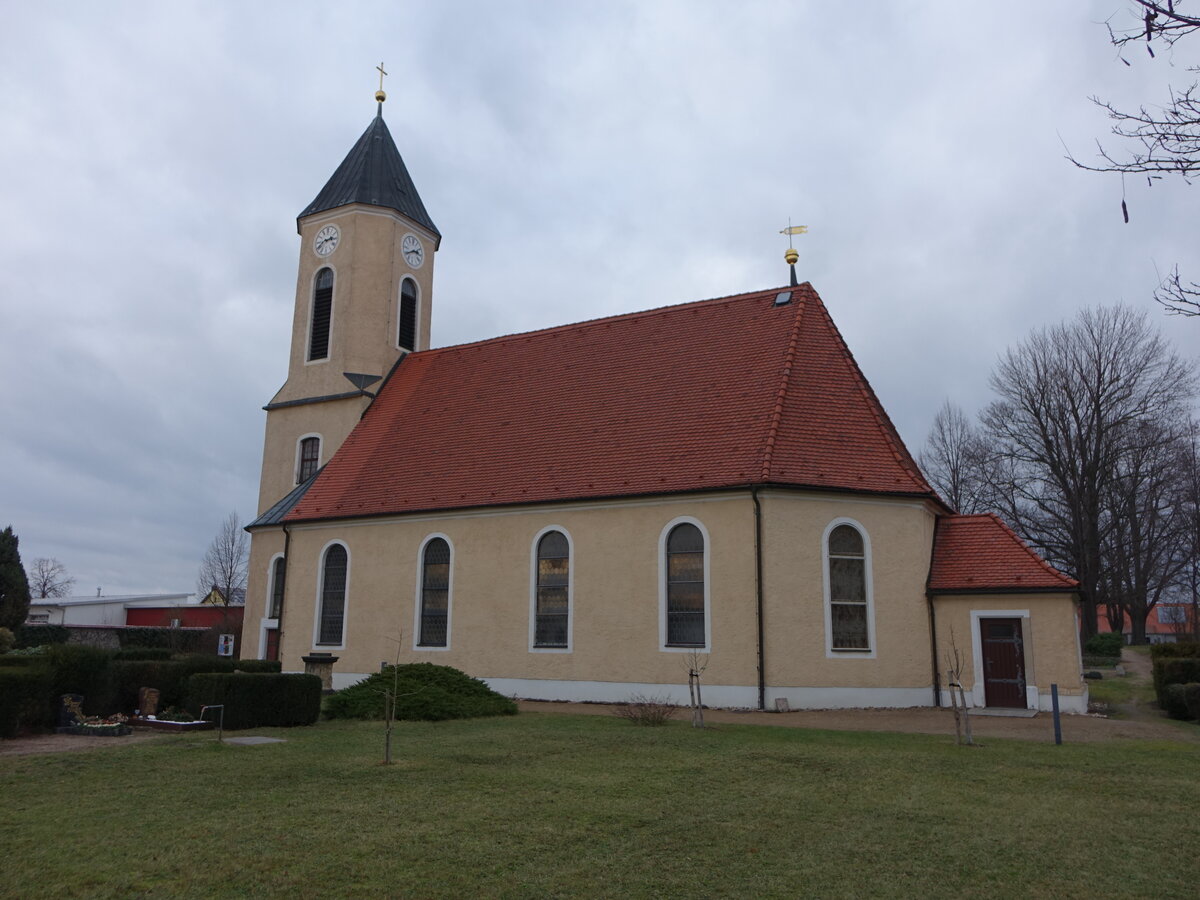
(380, 96)
(790, 256)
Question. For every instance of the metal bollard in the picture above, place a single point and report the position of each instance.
(1057, 722)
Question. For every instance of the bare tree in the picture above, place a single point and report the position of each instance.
(224, 565)
(1068, 399)
(954, 460)
(49, 578)
(1158, 139)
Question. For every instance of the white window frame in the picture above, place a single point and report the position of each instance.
(266, 623)
(320, 453)
(830, 652)
(312, 308)
(662, 587)
(416, 323)
(533, 584)
(419, 598)
(321, 589)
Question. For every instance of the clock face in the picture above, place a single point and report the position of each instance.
(414, 253)
(326, 240)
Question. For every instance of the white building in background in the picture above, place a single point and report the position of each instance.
(98, 610)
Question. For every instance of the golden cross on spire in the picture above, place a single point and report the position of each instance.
(379, 94)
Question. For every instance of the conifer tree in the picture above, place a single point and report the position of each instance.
(14, 587)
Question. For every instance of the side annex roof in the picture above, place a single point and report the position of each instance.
(980, 553)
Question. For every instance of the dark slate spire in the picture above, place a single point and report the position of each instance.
(373, 173)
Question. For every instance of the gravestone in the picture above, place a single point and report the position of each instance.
(148, 701)
(70, 712)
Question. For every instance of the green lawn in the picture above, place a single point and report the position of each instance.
(552, 805)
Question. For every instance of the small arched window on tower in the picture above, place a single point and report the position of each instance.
(310, 458)
(322, 314)
(407, 336)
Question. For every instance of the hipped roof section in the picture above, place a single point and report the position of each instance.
(980, 553)
(724, 393)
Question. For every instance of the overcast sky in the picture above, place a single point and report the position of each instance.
(580, 159)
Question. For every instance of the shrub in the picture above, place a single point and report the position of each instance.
(37, 635)
(23, 695)
(177, 640)
(257, 700)
(1173, 670)
(642, 710)
(1109, 644)
(1188, 649)
(168, 676)
(143, 653)
(267, 666)
(425, 692)
(1174, 701)
(7, 639)
(78, 669)
(20, 660)
(1191, 698)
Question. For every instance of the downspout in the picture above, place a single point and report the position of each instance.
(287, 557)
(933, 651)
(758, 589)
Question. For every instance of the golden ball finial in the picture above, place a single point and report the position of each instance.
(380, 96)
(791, 256)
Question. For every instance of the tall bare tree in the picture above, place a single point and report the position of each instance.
(48, 578)
(224, 565)
(1157, 140)
(1068, 398)
(954, 460)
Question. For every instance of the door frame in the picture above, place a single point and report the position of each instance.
(978, 693)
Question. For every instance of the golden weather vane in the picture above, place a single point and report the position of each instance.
(379, 94)
(791, 255)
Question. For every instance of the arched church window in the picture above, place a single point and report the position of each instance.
(407, 336)
(685, 586)
(333, 595)
(322, 314)
(278, 568)
(435, 593)
(552, 601)
(846, 577)
(310, 458)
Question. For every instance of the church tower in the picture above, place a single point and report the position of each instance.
(363, 293)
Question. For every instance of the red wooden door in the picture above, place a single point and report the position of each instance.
(1003, 663)
(272, 643)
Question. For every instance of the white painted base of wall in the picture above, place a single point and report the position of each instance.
(1072, 704)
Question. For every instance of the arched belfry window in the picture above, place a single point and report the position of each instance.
(334, 572)
(552, 599)
(847, 580)
(685, 586)
(435, 594)
(310, 458)
(322, 314)
(407, 334)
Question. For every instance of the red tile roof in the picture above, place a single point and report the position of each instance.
(730, 392)
(981, 553)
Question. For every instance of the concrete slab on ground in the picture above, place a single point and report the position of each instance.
(251, 741)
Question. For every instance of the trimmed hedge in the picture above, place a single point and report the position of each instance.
(1173, 670)
(1191, 697)
(1109, 644)
(143, 653)
(263, 666)
(169, 677)
(22, 699)
(1174, 701)
(19, 661)
(1188, 649)
(176, 640)
(37, 635)
(425, 692)
(78, 669)
(257, 700)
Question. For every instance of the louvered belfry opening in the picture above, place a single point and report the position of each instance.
(435, 593)
(685, 586)
(407, 337)
(333, 595)
(322, 311)
(553, 580)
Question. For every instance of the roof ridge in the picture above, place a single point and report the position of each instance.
(789, 358)
(654, 311)
(890, 435)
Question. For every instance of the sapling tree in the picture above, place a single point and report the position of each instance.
(696, 664)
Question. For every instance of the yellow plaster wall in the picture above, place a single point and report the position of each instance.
(1050, 635)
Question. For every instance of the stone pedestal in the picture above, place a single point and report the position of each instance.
(321, 665)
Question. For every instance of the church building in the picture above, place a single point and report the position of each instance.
(586, 511)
